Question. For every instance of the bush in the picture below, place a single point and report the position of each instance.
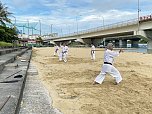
(4, 44)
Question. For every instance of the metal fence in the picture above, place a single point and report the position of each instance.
(101, 28)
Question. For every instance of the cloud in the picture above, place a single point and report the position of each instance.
(110, 15)
(21, 3)
(55, 3)
(86, 21)
(88, 13)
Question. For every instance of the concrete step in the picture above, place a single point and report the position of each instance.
(9, 58)
(4, 51)
(10, 86)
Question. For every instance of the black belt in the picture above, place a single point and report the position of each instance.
(107, 63)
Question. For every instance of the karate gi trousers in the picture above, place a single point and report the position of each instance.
(56, 52)
(60, 56)
(63, 56)
(107, 68)
(93, 55)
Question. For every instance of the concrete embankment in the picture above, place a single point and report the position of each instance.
(36, 99)
(21, 92)
(12, 79)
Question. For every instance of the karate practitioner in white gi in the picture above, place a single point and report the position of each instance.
(92, 52)
(63, 53)
(56, 50)
(60, 52)
(108, 67)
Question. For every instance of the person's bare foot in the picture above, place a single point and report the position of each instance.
(116, 83)
(94, 83)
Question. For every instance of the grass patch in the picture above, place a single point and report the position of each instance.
(5, 44)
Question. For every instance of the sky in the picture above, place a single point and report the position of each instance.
(69, 16)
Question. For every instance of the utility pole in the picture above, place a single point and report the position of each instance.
(40, 26)
(14, 20)
(51, 28)
(102, 20)
(138, 16)
(77, 24)
(23, 29)
(28, 28)
(61, 32)
(68, 26)
(32, 31)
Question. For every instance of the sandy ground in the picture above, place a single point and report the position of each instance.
(70, 84)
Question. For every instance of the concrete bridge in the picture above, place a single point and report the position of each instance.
(117, 33)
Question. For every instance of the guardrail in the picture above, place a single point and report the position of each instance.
(109, 26)
(100, 28)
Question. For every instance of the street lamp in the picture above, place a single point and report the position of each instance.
(138, 16)
(102, 19)
(77, 23)
(51, 28)
(68, 27)
(61, 32)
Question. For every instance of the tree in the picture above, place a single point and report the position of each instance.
(4, 15)
(39, 39)
(143, 41)
(8, 34)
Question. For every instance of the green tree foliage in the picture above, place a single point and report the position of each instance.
(142, 41)
(4, 15)
(7, 34)
(39, 39)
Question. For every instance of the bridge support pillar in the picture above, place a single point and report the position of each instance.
(134, 43)
(116, 43)
(123, 43)
(149, 46)
(87, 41)
(96, 41)
(106, 42)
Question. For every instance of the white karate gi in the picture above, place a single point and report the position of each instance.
(63, 53)
(92, 52)
(56, 50)
(107, 68)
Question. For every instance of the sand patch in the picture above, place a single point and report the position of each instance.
(70, 84)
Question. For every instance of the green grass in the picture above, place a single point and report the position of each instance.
(5, 44)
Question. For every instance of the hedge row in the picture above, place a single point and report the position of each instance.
(5, 45)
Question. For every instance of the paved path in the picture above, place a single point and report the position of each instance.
(36, 98)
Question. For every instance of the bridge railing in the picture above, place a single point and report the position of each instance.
(106, 27)
(109, 26)
(100, 28)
